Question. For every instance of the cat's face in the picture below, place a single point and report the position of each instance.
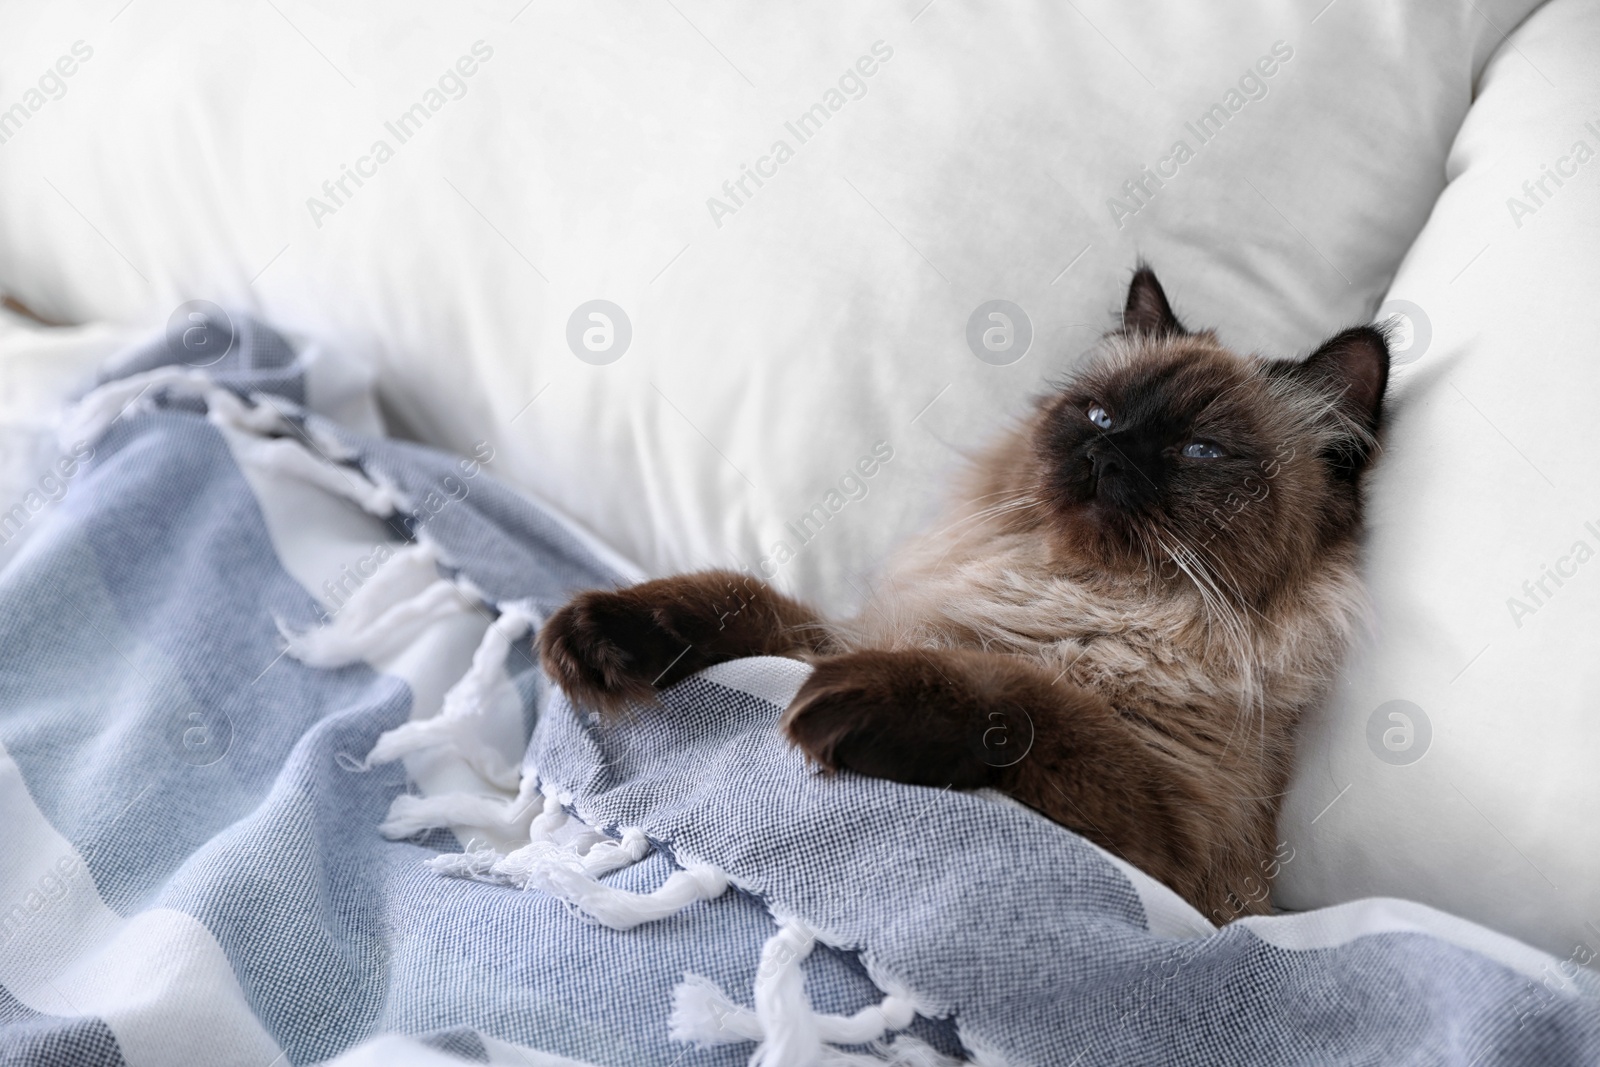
(1171, 455)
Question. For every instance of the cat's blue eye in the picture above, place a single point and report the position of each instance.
(1202, 450)
(1099, 417)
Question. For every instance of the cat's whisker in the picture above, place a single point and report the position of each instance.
(1235, 635)
(1020, 500)
(1002, 492)
(1020, 503)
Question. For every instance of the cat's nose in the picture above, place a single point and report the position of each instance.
(1106, 468)
(1106, 463)
(1119, 473)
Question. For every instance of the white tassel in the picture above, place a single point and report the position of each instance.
(93, 415)
(412, 814)
(790, 1032)
(584, 840)
(441, 733)
(343, 641)
(703, 1014)
(409, 814)
(563, 856)
(552, 817)
(488, 671)
(260, 416)
(621, 909)
(607, 855)
(290, 457)
(872, 1023)
(460, 725)
(564, 864)
(790, 1037)
(101, 407)
(476, 862)
(709, 1017)
(389, 612)
(560, 872)
(522, 868)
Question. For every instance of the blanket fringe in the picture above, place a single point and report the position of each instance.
(403, 599)
(790, 1033)
(93, 415)
(570, 869)
(703, 1014)
(561, 872)
(597, 855)
(396, 605)
(458, 726)
(608, 855)
(289, 456)
(410, 815)
(260, 419)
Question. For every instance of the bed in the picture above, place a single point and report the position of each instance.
(286, 501)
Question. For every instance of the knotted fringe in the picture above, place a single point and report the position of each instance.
(93, 415)
(401, 600)
(569, 867)
(410, 815)
(291, 457)
(703, 1014)
(261, 419)
(530, 812)
(571, 870)
(562, 873)
(460, 725)
(790, 1033)
(599, 855)
(398, 603)
(266, 439)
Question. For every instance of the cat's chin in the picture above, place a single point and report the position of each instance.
(1094, 537)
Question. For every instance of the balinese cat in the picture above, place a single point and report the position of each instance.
(1143, 586)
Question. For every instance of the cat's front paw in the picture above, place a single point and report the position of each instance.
(607, 648)
(894, 715)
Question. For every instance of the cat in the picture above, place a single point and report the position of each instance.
(1142, 587)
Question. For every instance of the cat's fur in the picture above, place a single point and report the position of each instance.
(1143, 628)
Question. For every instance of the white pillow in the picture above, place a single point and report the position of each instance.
(1483, 799)
(966, 156)
(40, 369)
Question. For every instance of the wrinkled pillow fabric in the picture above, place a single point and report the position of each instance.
(1456, 764)
(795, 224)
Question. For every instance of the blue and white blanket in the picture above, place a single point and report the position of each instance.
(282, 783)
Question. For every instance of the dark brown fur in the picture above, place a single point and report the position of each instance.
(1113, 631)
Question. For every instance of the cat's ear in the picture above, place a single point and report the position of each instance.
(1146, 311)
(1352, 369)
(1353, 366)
